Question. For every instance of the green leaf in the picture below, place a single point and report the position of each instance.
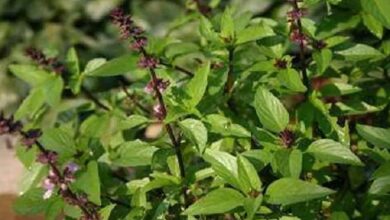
(253, 33)
(327, 123)
(375, 135)
(291, 79)
(218, 201)
(207, 31)
(72, 62)
(30, 74)
(31, 202)
(288, 191)
(322, 59)
(252, 205)
(225, 165)
(379, 9)
(94, 64)
(354, 107)
(360, 52)
(60, 141)
(197, 86)
(288, 162)
(89, 182)
(196, 132)
(106, 212)
(333, 152)
(118, 66)
(382, 171)
(31, 104)
(54, 209)
(178, 49)
(132, 121)
(248, 175)
(32, 176)
(339, 89)
(53, 90)
(271, 112)
(380, 186)
(373, 25)
(95, 125)
(227, 24)
(133, 153)
(221, 125)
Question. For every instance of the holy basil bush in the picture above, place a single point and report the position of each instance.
(246, 118)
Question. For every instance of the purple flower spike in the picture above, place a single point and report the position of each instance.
(69, 172)
(296, 14)
(159, 112)
(298, 37)
(147, 62)
(49, 186)
(31, 137)
(49, 157)
(161, 86)
(139, 43)
(72, 167)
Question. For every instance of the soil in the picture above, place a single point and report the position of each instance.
(11, 171)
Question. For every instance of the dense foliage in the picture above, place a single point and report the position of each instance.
(245, 116)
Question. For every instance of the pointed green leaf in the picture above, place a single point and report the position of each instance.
(218, 201)
(31, 104)
(382, 171)
(373, 25)
(378, 9)
(360, 52)
(89, 182)
(271, 112)
(227, 24)
(60, 141)
(225, 165)
(322, 59)
(30, 74)
(133, 153)
(197, 85)
(224, 126)
(252, 205)
(118, 66)
(375, 135)
(72, 62)
(291, 79)
(288, 162)
(380, 186)
(106, 212)
(288, 191)
(248, 175)
(31, 202)
(53, 90)
(196, 132)
(333, 152)
(253, 33)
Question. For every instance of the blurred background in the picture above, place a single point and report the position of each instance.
(56, 25)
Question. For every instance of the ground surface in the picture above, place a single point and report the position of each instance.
(11, 171)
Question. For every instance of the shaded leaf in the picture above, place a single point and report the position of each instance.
(375, 135)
